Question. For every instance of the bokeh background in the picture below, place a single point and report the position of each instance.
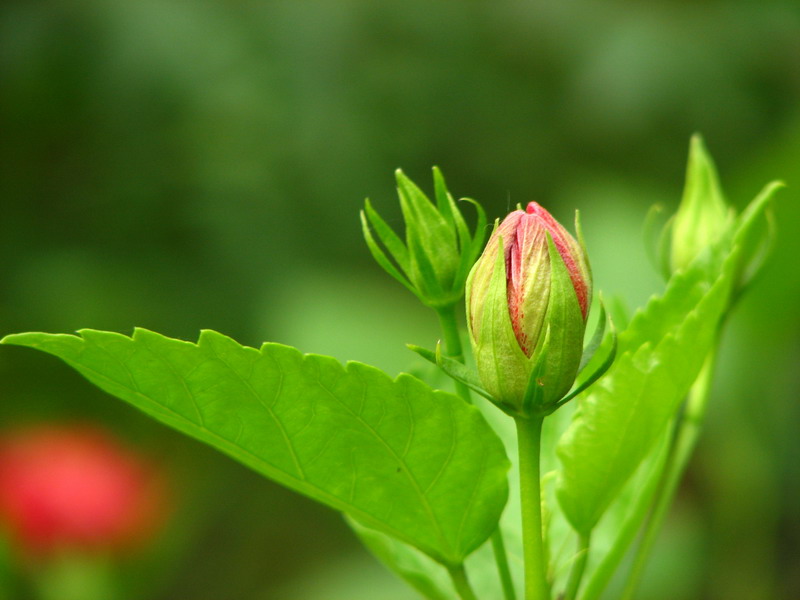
(187, 165)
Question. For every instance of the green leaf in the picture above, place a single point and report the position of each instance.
(756, 235)
(613, 535)
(399, 457)
(430, 578)
(627, 410)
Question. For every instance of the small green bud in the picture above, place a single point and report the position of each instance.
(439, 249)
(528, 299)
(703, 215)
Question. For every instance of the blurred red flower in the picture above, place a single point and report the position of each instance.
(76, 488)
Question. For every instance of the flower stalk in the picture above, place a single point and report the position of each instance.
(529, 436)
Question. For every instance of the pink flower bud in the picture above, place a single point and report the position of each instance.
(516, 297)
(76, 488)
(527, 263)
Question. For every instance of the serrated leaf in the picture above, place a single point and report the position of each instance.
(618, 527)
(756, 234)
(627, 410)
(418, 464)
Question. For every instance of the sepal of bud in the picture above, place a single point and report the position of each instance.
(434, 260)
(562, 352)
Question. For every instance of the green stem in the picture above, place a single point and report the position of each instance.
(454, 349)
(500, 557)
(529, 437)
(681, 451)
(452, 343)
(576, 573)
(461, 583)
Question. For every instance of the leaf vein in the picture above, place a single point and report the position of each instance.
(403, 465)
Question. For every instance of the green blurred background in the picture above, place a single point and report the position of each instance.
(187, 165)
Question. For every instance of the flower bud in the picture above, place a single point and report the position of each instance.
(76, 489)
(704, 215)
(528, 298)
(439, 249)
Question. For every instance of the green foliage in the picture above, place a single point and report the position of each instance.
(622, 521)
(430, 578)
(423, 574)
(397, 456)
(618, 421)
(660, 354)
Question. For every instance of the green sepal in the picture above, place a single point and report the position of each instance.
(601, 370)
(452, 368)
(444, 201)
(430, 239)
(471, 246)
(566, 326)
(663, 266)
(427, 280)
(582, 243)
(597, 337)
(501, 363)
(655, 233)
(378, 254)
(534, 401)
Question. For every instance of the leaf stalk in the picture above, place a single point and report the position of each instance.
(576, 573)
(461, 583)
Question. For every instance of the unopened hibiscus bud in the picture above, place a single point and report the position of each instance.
(528, 299)
(704, 215)
(76, 489)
